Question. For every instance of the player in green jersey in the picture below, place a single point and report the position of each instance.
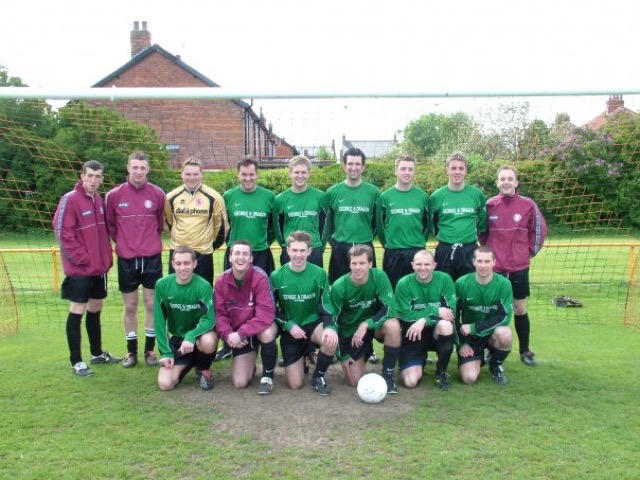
(425, 304)
(458, 215)
(360, 301)
(184, 322)
(485, 305)
(352, 217)
(402, 221)
(249, 209)
(301, 208)
(303, 314)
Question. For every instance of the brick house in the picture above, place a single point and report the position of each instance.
(219, 132)
(615, 106)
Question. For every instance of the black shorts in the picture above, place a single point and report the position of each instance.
(133, 272)
(294, 349)
(262, 259)
(347, 350)
(187, 359)
(80, 289)
(340, 262)
(396, 263)
(204, 268)
(252, 346)
(455, 259)
(519, 283)
(316, 257)
(414, 353)
(479, 344)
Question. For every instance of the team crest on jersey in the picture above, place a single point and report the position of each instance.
(517, 217)
(198, 201)
(148, 204)
(102, 210)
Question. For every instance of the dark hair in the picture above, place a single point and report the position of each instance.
(240, 242)
(184, 249)
(405, 158)
(299, 236)
(139, 155)
(459, 157)
(246, 161)
(361, 249)
(93, 165)
(354, 152)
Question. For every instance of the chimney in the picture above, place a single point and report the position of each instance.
(140, 38)
(615, 102)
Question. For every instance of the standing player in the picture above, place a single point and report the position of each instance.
(402, 221)
(249, 207)
(458, 214)
(303, 313)
(184, 322)
(135, 216)
(196, 217)
(245, 314)
(352, 217)
(360, 302)
(301, 208)
(80, 229)
(516, 231)
(425, 304)
(484, 313)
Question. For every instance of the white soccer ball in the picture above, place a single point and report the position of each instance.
(372, 388)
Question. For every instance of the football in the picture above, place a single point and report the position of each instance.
(372, 388)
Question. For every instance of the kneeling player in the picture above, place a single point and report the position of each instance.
(360, 301)
(245, 315)
(303, 307)
(485, 305)
(425, 302)
(184, 321)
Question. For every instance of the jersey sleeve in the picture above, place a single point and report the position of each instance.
(206, 322)
(381, 218)
(160, 321)
(537, 231)
(384, 294)
(502, 317)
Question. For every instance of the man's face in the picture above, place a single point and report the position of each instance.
(247, 176)
(360, 267)
(456, 170)
(192, 177)
(507, 182)
(484, 263)
(184, 266)
(353, 167)
(424, 265)
(240, 259)
(405, 171)
(299, 175)
(138, 170)
(298, 253)
(91, 180)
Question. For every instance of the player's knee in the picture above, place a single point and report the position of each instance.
(503, 337)
(411, 381)
(468, 377)
(165, 383)
(239, 382)
(444, 327)
(207, 343)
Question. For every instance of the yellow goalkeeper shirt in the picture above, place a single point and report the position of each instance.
(196, 219)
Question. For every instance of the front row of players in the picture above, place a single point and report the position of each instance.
(427, 312)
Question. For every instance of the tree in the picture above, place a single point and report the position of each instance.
(536, 142)
(324, 154)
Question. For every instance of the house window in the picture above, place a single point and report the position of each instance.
(174, 150)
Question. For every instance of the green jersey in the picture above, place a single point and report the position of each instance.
(414, 300)
(352, 214)
(306, 211)
(458, 216)
(302, 297)
(185, 311)
(354, 304)
(484, 307)
(250, 216)
(403, 218)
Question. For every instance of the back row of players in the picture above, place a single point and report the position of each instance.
(426, 312)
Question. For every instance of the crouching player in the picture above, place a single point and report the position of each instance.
(360, 302)
(485, 305)
(303, 313)
(184, 321)
(425, 302)
(245, 318)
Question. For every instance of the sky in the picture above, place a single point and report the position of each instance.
(347, 46)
